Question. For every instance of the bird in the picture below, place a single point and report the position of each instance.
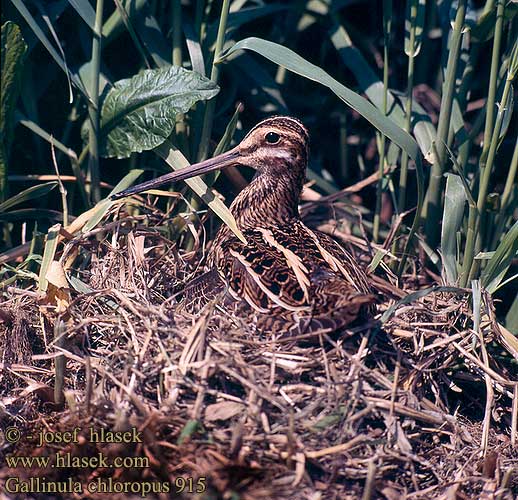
(287, 279)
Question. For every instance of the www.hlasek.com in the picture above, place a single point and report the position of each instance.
(31, 483)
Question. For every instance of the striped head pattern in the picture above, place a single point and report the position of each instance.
(276, 146)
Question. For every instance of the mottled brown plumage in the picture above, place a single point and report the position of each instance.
(287, 278)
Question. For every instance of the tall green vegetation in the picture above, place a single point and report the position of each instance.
(95, 93)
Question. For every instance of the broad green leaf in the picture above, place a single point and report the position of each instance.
(292, 61)
(28, 194)
(138, 114)
(13, 54)
(414, 26)
(454, 204)
(499, 264)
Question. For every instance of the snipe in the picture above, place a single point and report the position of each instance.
(287, 278)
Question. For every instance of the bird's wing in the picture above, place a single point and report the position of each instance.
(265, 272)
(284, 268)
(348, 266)
(202, 290)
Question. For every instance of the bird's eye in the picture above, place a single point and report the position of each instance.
(272, 138)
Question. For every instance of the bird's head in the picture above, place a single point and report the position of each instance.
(276, 147)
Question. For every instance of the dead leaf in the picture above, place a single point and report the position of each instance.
(223, 410)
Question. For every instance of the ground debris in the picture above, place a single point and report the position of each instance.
(418, 407)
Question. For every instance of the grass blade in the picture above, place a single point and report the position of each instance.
(46, 43)
(176, 160)
(104, 205)
(435, 189)
(27, 195)
(292, 61)
(499, 264)
(454, 204)
(51, 245)
(85, 10)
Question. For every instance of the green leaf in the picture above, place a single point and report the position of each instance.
(51, 245)
(454, 204)
(511, 318)
(292, 61)
(372, 86)
(26, 214)
(138, 114)
(225, 141)
(22, 9)
(194, 49)
(85, 10)
(499, 264)
(507, 110)
(28, 194)
(13, 55)
(190, 428)
(242, 16)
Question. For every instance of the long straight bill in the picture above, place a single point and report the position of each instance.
(224, 160)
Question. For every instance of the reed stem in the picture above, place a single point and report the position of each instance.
(408, 106)
(433, 202)
(491, 141)
(177, 58)
(387, 25)
(208, 119)
(93, 106)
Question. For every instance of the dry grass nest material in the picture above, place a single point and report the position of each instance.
(421, 406)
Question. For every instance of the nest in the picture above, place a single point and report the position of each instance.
(419, 403)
